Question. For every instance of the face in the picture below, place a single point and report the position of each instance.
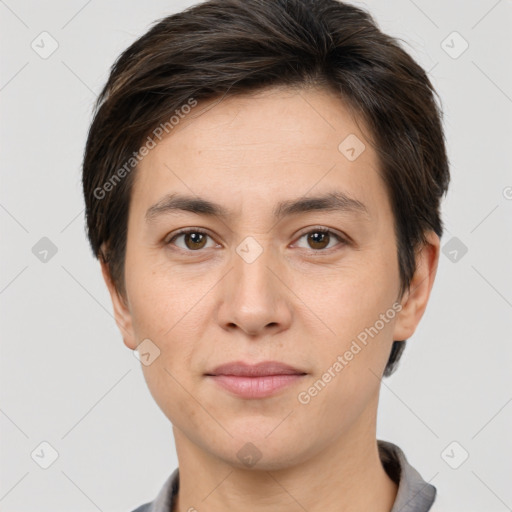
(294, 262)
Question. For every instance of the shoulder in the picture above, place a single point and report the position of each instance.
(165, 499)
(143, 508)
(438, 505)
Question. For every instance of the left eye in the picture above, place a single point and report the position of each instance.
(320, 239)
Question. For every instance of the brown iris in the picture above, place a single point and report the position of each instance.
(197, 240)
(318, 239)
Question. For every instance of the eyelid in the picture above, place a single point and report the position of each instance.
(323, 229)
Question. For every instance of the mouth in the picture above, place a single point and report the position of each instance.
(260, 380)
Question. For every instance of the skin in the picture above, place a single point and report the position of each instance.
(299, 302)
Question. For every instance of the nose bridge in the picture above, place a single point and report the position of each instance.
(253, 298)
(253, 280)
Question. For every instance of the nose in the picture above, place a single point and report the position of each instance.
(253, 297)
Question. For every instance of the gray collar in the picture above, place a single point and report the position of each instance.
(414, 494)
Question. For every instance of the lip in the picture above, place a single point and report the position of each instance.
(263, 369)
(252, 381)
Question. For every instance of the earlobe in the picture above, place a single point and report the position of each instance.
(415, 299)
(122, 313)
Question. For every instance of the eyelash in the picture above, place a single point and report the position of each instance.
(343, 241)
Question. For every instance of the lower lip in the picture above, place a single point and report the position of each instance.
(255, 387)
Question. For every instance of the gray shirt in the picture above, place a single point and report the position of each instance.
(414, 494)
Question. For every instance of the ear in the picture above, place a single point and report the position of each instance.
(122, 312)
(414, 301)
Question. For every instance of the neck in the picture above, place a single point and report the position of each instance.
(347, 476)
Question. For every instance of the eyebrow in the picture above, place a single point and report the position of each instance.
(332, 201)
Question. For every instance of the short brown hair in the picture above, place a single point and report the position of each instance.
(229, 47)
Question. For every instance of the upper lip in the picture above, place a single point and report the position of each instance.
(241, 369)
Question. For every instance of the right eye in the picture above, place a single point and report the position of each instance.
(193, 239)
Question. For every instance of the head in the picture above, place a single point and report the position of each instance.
(310, 149)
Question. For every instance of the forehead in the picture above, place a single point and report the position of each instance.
(278, 143)
(305, 122)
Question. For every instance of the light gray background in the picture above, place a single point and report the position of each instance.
(68, 379)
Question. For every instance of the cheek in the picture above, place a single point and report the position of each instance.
(352, 298)
(170, 310)
(348, 379)
(358, 307)
(166, 315)
(162, 299)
